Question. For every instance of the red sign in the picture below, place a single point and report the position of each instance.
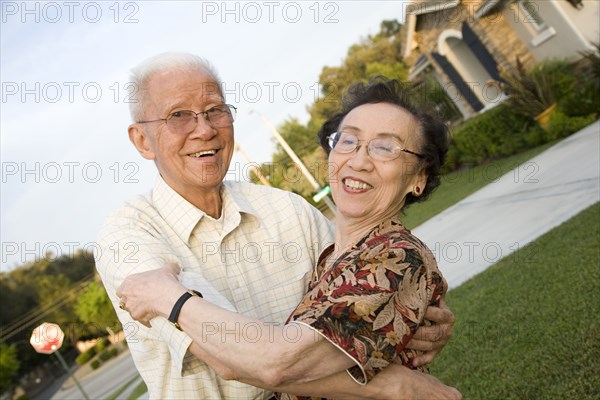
(47, 338)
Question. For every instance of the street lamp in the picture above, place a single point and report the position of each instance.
(255, 168)
(313, 182)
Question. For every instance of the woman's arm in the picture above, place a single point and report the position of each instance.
(264, 353)
(394, 382)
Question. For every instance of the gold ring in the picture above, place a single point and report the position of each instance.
(122, 305)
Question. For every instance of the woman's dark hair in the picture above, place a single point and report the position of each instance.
(435, 133)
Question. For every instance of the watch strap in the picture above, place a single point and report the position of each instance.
(179, 304)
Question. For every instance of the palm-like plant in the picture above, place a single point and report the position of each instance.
(591, 66)
(530, 93)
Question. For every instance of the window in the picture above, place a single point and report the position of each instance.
(531, 15)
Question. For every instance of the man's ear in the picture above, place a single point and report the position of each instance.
(141, 141)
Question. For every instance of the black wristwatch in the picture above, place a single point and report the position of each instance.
(179, 303)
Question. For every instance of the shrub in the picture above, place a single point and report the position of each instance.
(573, 85)
(591, 59)
(105, 355)
(535, 136)
(561, 76)
(562, 125)
(108, 354)
(584, 99)
(101, 345)
(85, 356)
(496, 133)
(95, 364)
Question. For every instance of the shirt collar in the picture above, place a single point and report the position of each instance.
(241, 201)
(182, 216)
(236, 203)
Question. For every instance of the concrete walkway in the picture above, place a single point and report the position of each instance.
(520, 206)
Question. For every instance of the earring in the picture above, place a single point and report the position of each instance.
(417, 190)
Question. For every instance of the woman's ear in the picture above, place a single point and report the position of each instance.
(141, 140)
(420, 183)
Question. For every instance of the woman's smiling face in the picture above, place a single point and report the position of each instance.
(368, 189)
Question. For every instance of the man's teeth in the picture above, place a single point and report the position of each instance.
(356, 184)
(203, 153)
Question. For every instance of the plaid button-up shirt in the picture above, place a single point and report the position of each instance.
(256, 259)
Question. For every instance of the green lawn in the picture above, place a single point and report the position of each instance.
(528, 327)
(118, 392)
(139, 390)
(458, 185)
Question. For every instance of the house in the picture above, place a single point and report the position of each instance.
(464, 44)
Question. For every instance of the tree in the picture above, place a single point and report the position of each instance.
(9, 365)
(95, 308)
(375, 55)
(298, 137)
(56, 298)
(372, 56)
(17, 298)
(43, 290)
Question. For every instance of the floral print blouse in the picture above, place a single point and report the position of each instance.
(370, 301)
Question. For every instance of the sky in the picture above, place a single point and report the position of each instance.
(64, 68)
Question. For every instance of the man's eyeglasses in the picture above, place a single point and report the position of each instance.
(381, 148)
(185, 121)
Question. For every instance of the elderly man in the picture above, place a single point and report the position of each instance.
(246, 248)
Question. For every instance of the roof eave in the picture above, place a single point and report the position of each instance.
(411, 11)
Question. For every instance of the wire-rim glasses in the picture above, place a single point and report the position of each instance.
(380, 148)
(185, 121)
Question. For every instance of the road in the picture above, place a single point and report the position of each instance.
(101, 383)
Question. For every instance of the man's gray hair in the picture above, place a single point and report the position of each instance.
(161, 63)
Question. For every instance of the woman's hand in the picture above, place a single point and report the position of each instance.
(150, 294)
(432, 339)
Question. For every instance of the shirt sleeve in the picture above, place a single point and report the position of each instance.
(127, 244)
(370, 304)
(319, 230)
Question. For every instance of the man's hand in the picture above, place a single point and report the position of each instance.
(150, 294)
(432, 339)
(399, 382)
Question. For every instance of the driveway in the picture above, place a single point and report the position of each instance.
(520, 206)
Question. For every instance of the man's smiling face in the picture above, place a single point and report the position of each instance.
(193, 162)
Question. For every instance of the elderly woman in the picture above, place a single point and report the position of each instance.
(370, 290)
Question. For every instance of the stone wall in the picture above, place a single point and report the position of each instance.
(493, 31)
(501, 40)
